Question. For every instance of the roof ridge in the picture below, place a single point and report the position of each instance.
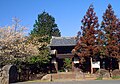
(63, 41)
(65, 37)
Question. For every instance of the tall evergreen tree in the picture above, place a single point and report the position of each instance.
(110, 27)
(87, 43)
(44, 28)
(45, 25)
(118, 34)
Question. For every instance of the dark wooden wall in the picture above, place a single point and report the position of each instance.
(62, 49)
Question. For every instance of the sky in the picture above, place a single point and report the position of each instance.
(67, 13)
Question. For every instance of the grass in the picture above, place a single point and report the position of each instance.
(99, 78)
(113, 77)
(116, 77)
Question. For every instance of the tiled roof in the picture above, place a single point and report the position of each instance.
(63, 41)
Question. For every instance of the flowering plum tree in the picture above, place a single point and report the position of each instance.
(13, 44)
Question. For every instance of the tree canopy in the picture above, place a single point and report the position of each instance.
(13, 44)
(103, 41)
(45, 25)
(111, 36)
(44, 28)
(87, 45)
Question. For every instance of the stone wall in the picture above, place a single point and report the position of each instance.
(66, 76)
(8, 74)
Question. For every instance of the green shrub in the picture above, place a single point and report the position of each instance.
(67, 64)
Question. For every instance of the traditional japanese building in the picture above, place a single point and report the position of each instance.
(61, 48)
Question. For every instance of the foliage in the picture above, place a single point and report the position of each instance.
(87, 42)
(99, 78)
(13, 44)
(109, 26)
(43, 51)
(44, 28)
(42, 58)
(115, 77)
(45, 25)
(100, 42)
(67, 63)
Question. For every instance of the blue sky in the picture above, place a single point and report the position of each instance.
(67, 13)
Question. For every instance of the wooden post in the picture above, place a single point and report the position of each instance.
(119, 64)
(91, 65)
(73, 66)
(56, 66)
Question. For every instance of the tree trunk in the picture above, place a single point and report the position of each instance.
(91, 65)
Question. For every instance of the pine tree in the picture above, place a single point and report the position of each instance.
(45, 25)
(44, 28)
